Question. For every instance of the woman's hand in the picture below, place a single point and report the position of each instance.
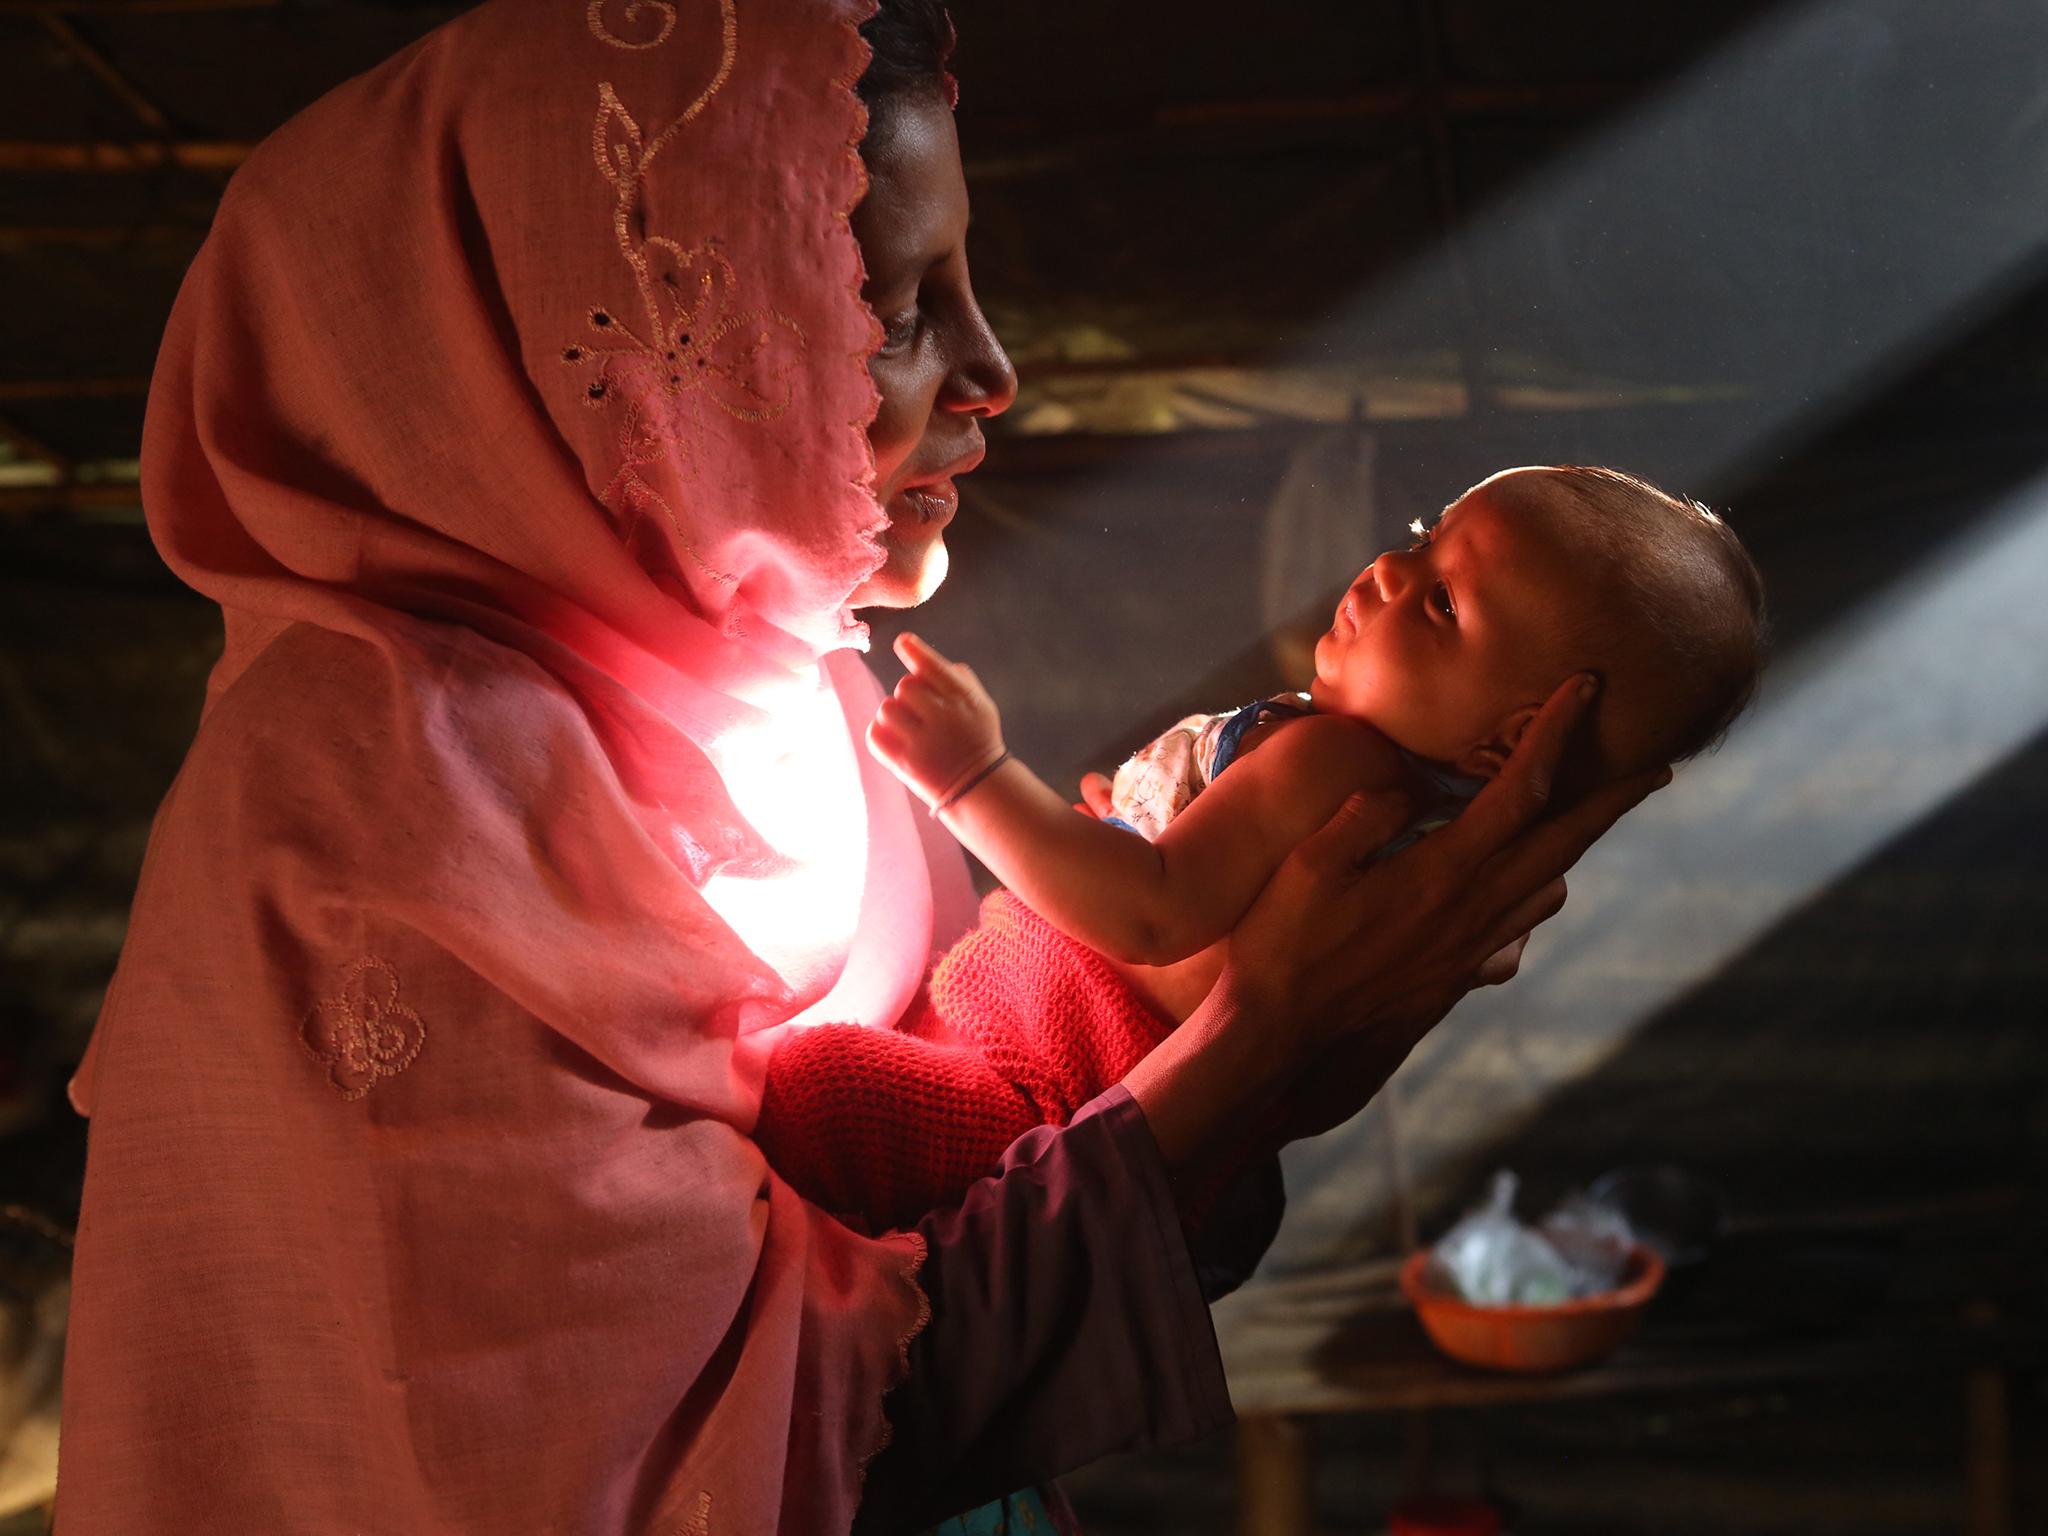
(1336, 946)
(1354, 1070)
(939, 728)
(1341, 966)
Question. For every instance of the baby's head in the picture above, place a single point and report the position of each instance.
(1450, 647)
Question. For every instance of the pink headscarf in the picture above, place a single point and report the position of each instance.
(514, 414)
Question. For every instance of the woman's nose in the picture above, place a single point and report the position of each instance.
(984, 381)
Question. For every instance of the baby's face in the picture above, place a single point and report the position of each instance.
(1449, 647)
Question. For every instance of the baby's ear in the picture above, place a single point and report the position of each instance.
(1486, 759)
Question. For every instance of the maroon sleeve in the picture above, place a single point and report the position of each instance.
(1067, 1324)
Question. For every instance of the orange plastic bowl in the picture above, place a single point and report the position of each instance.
(1532, 1338)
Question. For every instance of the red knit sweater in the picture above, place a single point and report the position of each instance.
(1020, 1026)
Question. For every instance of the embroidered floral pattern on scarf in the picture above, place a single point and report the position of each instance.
(699, 348)
(364, 1032)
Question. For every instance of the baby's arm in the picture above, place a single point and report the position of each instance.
(1138, 902)
(938, 732)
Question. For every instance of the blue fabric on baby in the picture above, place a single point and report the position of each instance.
(1455, 787)
(1231, 737)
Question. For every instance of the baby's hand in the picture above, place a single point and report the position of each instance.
(1096, 790)
(939, 728)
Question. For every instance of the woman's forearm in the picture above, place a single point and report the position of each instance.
(1067, 1323)
(1212, 1073)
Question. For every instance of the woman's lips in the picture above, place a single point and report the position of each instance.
(933, 503)
(1347, 613)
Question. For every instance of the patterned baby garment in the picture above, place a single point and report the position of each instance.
(1157, 782)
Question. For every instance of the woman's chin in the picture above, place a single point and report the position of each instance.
(911, 574)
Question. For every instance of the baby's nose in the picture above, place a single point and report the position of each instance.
(1386, 575)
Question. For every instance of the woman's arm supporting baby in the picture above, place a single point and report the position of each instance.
(1139, 902)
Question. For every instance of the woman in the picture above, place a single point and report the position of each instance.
(518, 413)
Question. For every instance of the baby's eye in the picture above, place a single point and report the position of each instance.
(1440, 599)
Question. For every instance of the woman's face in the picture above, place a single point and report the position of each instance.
(940, 369)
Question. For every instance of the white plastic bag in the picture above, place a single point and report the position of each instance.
(1492, 1260)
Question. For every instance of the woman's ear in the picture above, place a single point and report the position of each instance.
(1486, 759)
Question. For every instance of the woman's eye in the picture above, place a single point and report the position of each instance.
(1440, 599)
(898, 331)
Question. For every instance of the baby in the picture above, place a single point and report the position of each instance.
(1435, 662)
